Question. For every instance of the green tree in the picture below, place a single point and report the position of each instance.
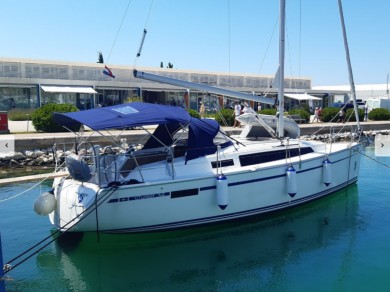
(100, 58)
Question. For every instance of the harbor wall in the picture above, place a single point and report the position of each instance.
(44, 141)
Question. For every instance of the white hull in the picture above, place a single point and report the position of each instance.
(190, 198)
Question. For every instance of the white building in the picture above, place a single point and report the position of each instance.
(363, 91)
(28, 84)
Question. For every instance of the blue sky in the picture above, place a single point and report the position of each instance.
(206, 35)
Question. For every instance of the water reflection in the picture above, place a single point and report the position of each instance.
(239, 256)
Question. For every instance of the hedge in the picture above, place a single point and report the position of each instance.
(227, 115)
(379, 114)
(42, 118)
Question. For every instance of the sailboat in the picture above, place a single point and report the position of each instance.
(188, 171)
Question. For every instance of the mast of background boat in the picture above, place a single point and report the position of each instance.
(282, 17)
(351, 82)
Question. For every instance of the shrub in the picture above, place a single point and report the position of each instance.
(306, 107)
(193, 113)
(301, 112)
(329, 114)
(21, 114)
(268, 111)
(350, 115)
(42, 118)
(379, 114)
(225, 115)
(134, 99)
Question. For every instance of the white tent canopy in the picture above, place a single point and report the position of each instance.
(68, 89)
(301, 96)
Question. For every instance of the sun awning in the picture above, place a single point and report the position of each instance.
(127, 115)
(302, 96)
(68, 89)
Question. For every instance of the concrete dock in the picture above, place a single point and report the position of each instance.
(36, 177)
(33, 140)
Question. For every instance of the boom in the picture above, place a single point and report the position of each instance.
(202, 87)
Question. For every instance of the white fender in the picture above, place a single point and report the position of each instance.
(222, 191)
(45, 204)
(291, 181)
(327, 172)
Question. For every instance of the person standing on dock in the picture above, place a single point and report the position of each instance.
(316, 115)
(341, 116)
(202, 110)
(236, 113)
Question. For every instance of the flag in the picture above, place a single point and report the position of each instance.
(108, 72)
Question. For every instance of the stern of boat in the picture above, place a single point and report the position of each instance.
(354, 163)
(73, 202)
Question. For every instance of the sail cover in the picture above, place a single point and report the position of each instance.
(123, 116)
(200, 137)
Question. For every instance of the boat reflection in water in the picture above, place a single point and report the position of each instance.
(255, 254)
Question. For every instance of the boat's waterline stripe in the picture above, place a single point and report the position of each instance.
(232, 216)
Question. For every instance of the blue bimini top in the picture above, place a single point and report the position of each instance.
(123, 116)
(136, 114)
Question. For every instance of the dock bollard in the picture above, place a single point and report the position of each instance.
(2, 285)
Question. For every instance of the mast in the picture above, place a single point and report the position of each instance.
(351, 82)
(282, 16)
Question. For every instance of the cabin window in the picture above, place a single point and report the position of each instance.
(184, 193)
(263, 157)
(222, 163)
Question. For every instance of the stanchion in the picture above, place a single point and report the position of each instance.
(2, 285)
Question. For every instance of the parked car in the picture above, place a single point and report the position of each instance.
(349, 104)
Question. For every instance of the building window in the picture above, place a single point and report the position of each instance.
(22, 98)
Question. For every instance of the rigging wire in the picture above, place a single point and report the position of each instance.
(372, 158)
(119, 29)
(229, 40)
(267, 49)
(300, 39)
(289, 52)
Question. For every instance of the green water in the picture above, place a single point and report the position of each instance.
(340, 243)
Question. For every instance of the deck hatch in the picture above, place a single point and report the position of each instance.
(223, 163)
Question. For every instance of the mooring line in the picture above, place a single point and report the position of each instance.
(383, 164)
(8, 267)
(37, 184)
